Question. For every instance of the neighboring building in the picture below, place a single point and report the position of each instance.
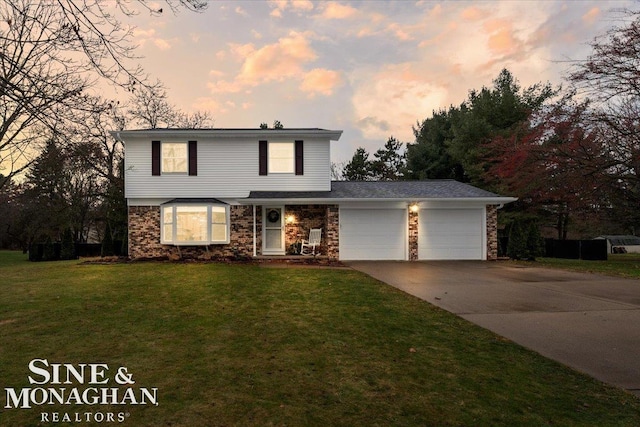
(257, 192)
(622, 244)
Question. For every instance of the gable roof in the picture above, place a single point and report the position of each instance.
(388, 191)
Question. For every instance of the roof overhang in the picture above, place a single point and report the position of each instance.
(123, 135)
(193, 201)
(337, 201)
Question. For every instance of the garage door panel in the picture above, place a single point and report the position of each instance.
(372, 234)
(447, 234)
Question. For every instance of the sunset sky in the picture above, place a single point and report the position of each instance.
(370, 68)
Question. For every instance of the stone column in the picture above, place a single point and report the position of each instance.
(492, 232)
(333, 232)
(413, 235)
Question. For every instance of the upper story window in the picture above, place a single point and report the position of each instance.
(174, 157)
(281, 157)
(179, 158)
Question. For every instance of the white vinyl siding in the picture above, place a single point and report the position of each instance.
(226, 168)
(451, 234)
(373, 234)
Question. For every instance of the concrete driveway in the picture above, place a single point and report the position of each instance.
(586, 321)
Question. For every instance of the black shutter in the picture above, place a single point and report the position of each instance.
(299, 155)
(155, 157)
(263, 157)
(193, 158)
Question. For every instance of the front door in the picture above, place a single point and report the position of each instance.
(273, 230)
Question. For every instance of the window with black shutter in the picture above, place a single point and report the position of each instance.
(193, 158)
(299, 155)
(155, 158)
(263, 159)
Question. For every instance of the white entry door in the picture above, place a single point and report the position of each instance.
(273, 230)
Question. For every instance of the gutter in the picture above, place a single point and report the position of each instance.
(486, 200)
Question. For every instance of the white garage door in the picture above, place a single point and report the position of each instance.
(373, 234)
(450, 234)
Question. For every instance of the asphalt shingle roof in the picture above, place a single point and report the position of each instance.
(431, 189)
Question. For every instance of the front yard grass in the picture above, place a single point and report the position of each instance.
(623, 265)
(247, 345)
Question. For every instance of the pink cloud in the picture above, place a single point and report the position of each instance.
(277, 61)
(333, 10)
(241, 51)
(302, 4)
(473, 14)
(399, 32)
(591, 16)
(501, 39)
(320, 81)
(280, 6)
(162, 44)
(224, 86)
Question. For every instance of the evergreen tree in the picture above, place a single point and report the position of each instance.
(428, 157)
(389, 161)
(67, 247)
(107, 243)
(517, 246)
(359, 168)
(47, 191)
(49, 252)
(456, 143)
(535, 243)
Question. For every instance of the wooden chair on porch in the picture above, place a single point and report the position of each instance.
(312, 243)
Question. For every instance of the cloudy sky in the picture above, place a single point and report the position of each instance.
(370, 68)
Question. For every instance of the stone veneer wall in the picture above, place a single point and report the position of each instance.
(305, 217)
(492, 232)
(144, 236)
(144, 232)
(413, 236)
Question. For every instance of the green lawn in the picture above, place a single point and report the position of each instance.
(247, 345)
(624, 265)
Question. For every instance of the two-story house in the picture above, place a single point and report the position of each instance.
(257, 192)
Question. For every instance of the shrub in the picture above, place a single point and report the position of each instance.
(107, 243)
(49, 252)
(67, 247)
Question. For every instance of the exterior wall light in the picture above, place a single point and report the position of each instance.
(291, 219)
(414, 208)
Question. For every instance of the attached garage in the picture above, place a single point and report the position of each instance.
(373, 234)
(451, 234)
(397, 220)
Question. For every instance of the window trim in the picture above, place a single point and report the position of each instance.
(210, 223)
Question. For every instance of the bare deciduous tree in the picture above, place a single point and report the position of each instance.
(610, 77)
(150, 109)
(51, 54)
